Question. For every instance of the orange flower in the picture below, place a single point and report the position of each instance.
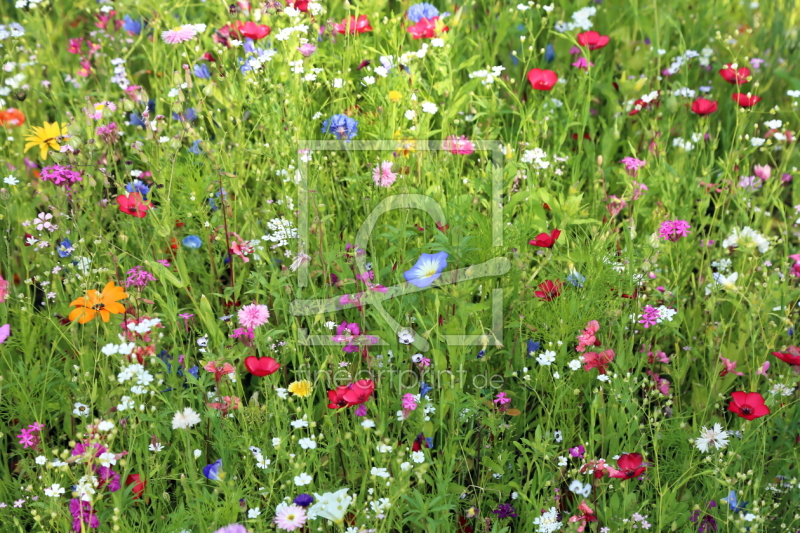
(103, 302)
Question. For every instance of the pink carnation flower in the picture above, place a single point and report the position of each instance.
(253, 315)
(383, 175)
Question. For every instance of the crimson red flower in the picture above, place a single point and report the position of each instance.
(301, 5)
(703, 107)
(138, 483)
(549, 290)
(545, 240)
(252, 30)
(261, 366)
(542, 80)
(630, 466)
(426, 28)
(592, 39)
(792, 356)
(353, 26)
(359, 392)
(746, 100)
(132, 204)
(749, 405)
(738, 76)
(336, 398)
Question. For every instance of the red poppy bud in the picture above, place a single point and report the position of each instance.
(704, 107)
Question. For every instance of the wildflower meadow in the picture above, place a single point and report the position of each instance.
(377, 266)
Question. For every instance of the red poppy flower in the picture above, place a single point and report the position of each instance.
(261, 366)
(746, 100)
(336, 398)
(549, 290)
(592, 39)
(359, 392)
(301, 5)
(132, 204)
(544, 240)
(738, 76)
(12, 117)
(703, 107)
(630, 466)
(542, 80)
(749, 405)
(426, 28)
(792, 356)
(138, 483)
(353, 26)
(252, 30)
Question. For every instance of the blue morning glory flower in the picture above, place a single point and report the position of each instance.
(342, 126)
(132, 26)
(192, 241)
(427, 269)
(549, 53)
(418, 12)
(213, 470)
(202, 71)
(734, 503)
(533, 346)
(140, 187)
(64, 248)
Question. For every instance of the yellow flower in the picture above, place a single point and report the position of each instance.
(301, 388)
(46, 137)
(394, 96)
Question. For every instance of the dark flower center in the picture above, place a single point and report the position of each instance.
(747, 410)
(630, 473)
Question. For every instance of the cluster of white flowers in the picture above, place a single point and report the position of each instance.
(548, 522)
(12, 30)
(141, 378)
(685, 92)
(486, 77)
(407, 57)
(285, 33)
(683, 144)
(679, 61)
(705, 56)
(747, 236)
(581, 19)
(546, 358)
(281, 230)
(536, 157)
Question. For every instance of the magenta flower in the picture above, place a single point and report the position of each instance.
(253, 315)
(649, 317)
(762, 172)
(672, 230)
(582, 63)
(638, 190)
(60, 175)
(458, 145)
(502, 398)
(138, 277)
(347, 334)
(632, 165)
(409, 402)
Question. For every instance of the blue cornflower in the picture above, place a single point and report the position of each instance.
(429, 440)
(214, 470)
(192, 241)
(202, 71)
(481, 354)
(136, 119)
(64, 248)
(549, 53)
(427, 269)
(304, 500)
(576, 279)
(424, 389)
(342, 126)
(195, 149)
(190, 115)
(734, 503)
(132, 26)
(533, 347)
(421, 11)
(140, 187)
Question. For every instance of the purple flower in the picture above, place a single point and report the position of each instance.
(505, 510)
(304, 500)
(60, 175)
(213, 470)
(82, 513)
(577, 451)
(139, 277)
(632, 165)
(672, 230)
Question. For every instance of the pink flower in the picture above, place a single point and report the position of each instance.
(307, 49)
(650, 316)
(502, 399)
(178, 35)
(673, 230)
(730, 367)
(290, 517)
(409, 402)
(763, 172)
(638, 190)
(587, 337)
(763, 370)
(615, 205)
(458, 145)
(383, 175)
(632, 165)
(583, 64)
(253, 315)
